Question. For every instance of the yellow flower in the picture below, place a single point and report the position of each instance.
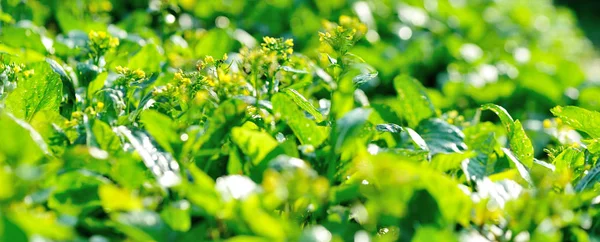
(77, 115)
(100, 105)
(345, 20)
(226, 78)
(113, 42)
(225, 57)
(209, 60)
(92, 35)
(106, 6)
(547, 123)
(178, 76)
(121, 69)
(289, 42)
(29, 73)
(139, 73)
(17, 69)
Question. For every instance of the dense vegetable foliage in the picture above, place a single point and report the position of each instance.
(358, 120)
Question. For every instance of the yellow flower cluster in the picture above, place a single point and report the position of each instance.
(342, 35)
(278, 46)
(135, 74)
(210, 61)
(101, 42)
(99, 6)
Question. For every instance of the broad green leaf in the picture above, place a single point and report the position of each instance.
(201, 192)
(413, 101)
(247, 238)
(519, 143)
(10, 231)
(49, 125)
(348, 126)
(162, 165)
(593, 145)
(580, 119)
(97, 84)
(115, 199)
(38, 222)
(161, 128)
(405, 134)
(520, 167)
(148, 59)
(570, 160)
(305, 129)
(406, 178)
(75, 190)
(449, 161)
(229, 114)
(22, 37)
(20, 142)
(142, 226)
(215, 42)
(177, 215)
(481, 139)
(428, 233)
(261, 222)
(106, 137)
(589, 180)
(303, 103)
(255, 144)
(441, 137)
(42, 91)
(505, 118)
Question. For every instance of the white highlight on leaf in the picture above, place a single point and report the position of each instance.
(235, 187)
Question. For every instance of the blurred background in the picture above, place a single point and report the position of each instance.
(527, 56)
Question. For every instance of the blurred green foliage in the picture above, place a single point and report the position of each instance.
(281, 120)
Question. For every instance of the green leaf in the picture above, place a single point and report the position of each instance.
(160, 126)
(261, 222)
(305, 129)
(22, 37)
(255, 144)
(115, 199)
(519, 143)
(348, 126)
(481, 139)
(177, 215)
(142, 226)
(229, 114)
(589, 180)
(10, 231)
(303, 103)
(20, 142)
(413, 100)
(580, 119)
(441, 137)
(449, 161)
(148, 59)
(97, 84)
(42, 91)
(521, 168)
(75, 190)
(215, 42)
(162, 165)
(106, 137)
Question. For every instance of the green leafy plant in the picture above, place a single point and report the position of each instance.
(127, 121)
